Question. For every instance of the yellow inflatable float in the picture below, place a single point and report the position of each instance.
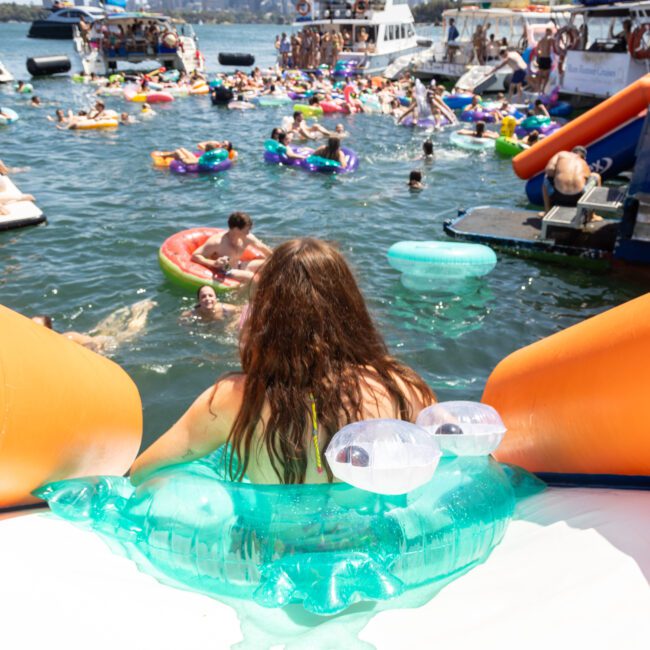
(64, 411)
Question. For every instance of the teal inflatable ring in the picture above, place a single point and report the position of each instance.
(322, 546)
(471, 143)
(428, 264)
(535, 122)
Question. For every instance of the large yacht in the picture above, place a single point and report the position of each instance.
(59, 24)
(376, 32)
(519, 27)
(135, 38)
(599, 56)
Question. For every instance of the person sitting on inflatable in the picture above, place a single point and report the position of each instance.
(540, 109)
(218, 144)
(188, 157)
(479, 131)
(285, 139)
(222, 253)
(97, 112)
(303, 130)
(312, 362)
(208, 307)
(332, 151)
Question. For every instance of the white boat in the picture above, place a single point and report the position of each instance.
(5, 76)
(597, 63)
(504, 26)
(388, 24)
(59, 24)
(124, 38)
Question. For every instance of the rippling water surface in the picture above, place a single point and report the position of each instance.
(108, 212)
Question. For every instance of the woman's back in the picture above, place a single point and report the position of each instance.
(308, 344)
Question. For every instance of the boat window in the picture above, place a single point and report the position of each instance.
(411, 31)
(402, 31)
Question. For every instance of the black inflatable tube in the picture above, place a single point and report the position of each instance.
(44, 65)
(235, 58)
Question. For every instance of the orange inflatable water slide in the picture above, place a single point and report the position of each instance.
(64, 411)
(577, 401)
(585, 129)
(610, 132)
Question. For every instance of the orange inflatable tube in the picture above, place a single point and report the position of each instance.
(577, 401)
(595, 123)
(64, 411)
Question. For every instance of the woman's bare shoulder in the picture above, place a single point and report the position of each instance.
(376, 391)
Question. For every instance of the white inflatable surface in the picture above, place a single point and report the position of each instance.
(572, 571)
(20, 212)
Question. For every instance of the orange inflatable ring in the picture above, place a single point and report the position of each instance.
(65, 412)
(636, 43)
(360, 7)
(565, 39)
(538, 9)
(175, 258)
(576, 402)
(303, 7)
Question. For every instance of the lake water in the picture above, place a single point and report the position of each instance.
(108, 212)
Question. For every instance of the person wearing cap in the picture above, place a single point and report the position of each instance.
(566, 178)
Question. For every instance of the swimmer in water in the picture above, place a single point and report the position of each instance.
(122, 326)
(208, 308)
(147, 111)
(35, 102)
(308, 132)
(125, 118)
(427, 151)
(415, 180)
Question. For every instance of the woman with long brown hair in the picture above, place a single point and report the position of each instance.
(312, 362)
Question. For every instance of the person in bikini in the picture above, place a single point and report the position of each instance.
(297, 360)
(222, 253)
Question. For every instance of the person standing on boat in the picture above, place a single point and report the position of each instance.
(285, 49)
(544, 60)
(452, 36)
(623, 36)
(514, 60)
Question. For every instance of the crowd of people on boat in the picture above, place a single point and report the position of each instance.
(311, 47)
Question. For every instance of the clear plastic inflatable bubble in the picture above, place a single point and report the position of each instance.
(463, 428)
(383, 456)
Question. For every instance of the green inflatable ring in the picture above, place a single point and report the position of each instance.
(508, 147)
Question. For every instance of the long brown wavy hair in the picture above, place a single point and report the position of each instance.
(309, 333)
